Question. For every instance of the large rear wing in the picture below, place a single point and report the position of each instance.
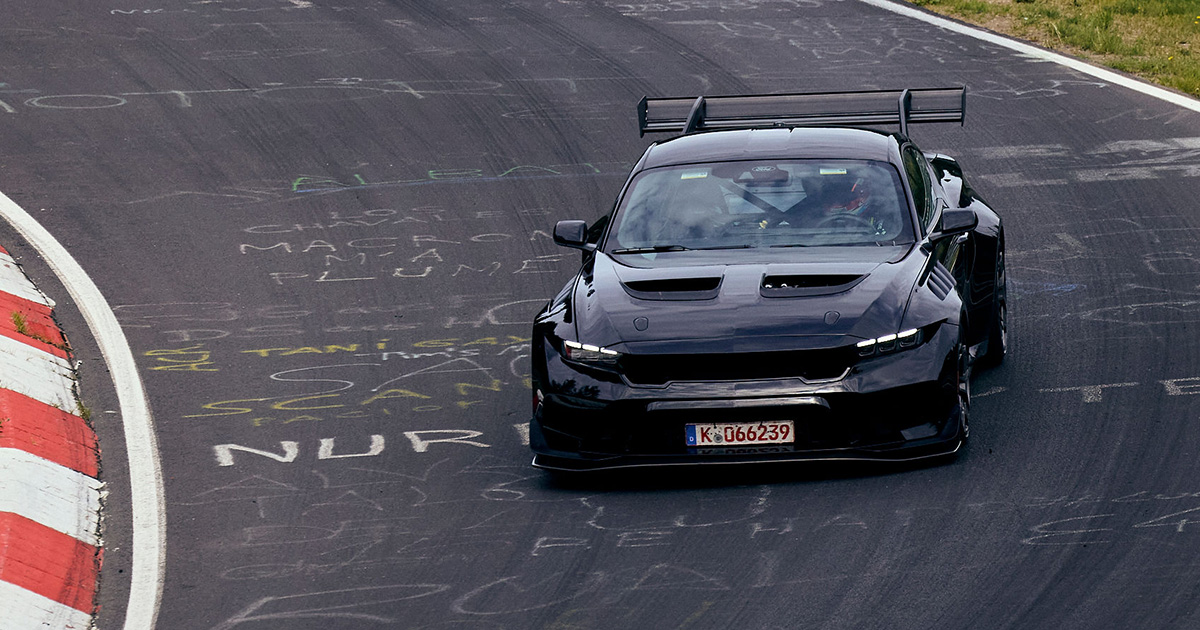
(874, 107)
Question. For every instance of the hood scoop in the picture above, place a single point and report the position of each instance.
(807, 285)
(674, 288)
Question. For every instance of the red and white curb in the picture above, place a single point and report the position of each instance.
(49, 492)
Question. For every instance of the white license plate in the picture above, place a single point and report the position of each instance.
(737, 433)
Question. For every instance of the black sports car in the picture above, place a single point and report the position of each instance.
(774, 284)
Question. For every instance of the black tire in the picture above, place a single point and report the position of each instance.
(964, 407)
(964, 393)
(997, 345)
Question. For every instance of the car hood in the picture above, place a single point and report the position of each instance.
(742, 301)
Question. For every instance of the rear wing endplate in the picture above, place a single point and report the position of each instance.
(874, 107)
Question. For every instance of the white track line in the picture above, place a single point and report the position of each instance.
(145, 469)
(1174, 98)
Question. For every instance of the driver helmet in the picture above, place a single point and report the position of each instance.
(845, 194)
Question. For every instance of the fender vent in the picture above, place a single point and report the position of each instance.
(807, 285)
(674, 288)
(941, 281)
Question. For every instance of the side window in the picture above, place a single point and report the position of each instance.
(917, 172)
(596, 230)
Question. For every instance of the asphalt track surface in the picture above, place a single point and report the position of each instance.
(336, 215)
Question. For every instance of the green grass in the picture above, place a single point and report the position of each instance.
(1156, 8)
(18, 320)
(960, 7)
(1148, 38)
(22, 328)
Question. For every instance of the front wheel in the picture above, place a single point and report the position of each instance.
(961, 413)
(997, 346)
(964, 392)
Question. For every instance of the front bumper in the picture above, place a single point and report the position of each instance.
(896, 407)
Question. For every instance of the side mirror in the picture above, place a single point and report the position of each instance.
(572, 234)
(953, 222)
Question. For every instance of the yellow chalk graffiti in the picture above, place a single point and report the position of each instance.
(190, 359)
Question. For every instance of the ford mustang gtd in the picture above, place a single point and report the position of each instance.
(778, 282)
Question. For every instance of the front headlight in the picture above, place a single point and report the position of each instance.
(902, 340)
(589, 354)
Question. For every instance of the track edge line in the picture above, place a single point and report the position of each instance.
(1106, 74)
(145, 467)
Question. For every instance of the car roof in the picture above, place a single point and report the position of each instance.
(774, 143)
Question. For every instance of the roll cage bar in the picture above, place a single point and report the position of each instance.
(871, 107)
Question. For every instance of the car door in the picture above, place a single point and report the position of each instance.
(951, 253)
(956, 253)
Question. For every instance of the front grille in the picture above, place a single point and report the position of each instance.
(851, 421)
(659, 369)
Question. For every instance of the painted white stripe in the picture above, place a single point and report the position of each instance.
(24, 610)
(1103, 74)
(36, 373)
(141, 445)
(48, 493)
(13, 280)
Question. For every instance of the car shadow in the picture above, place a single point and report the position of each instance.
(694, 477)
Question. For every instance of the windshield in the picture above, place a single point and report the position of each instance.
(728, 205)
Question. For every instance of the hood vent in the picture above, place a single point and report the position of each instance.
(807, 285)
(674, 288)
